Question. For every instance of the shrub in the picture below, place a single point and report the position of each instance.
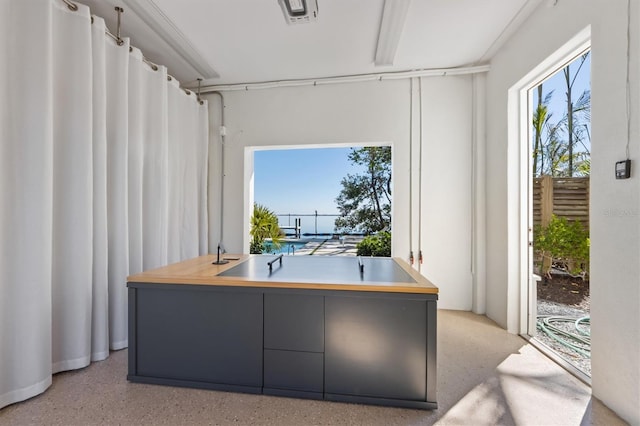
(565, 244)
(375, 245)
(264, 224)
(255, 247)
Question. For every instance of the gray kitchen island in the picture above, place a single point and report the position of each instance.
(333, 328)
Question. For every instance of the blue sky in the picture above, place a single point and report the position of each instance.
(300, 180)
(557, 83)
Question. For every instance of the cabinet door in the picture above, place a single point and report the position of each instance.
(376, 347)
(294, 322)
(293, 370)
(199, 335)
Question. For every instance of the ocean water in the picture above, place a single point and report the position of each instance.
(309, 224)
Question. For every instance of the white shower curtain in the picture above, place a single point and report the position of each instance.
(102, 174)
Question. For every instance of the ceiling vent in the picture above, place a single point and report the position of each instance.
(299, 11)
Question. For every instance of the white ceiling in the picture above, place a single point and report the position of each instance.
(244, 41)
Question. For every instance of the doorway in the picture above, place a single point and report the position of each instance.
(560, 146)
(521, 301)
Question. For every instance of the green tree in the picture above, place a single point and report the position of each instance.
(543, 131)
(264, 224)
(576, 112)
(365, 199)
(561, 148)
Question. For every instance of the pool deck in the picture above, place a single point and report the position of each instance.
(331, 247)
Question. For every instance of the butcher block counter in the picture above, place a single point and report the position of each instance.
(325, 327)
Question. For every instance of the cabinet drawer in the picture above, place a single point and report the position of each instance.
(302, 371)
(294, 322)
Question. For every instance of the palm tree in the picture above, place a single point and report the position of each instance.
(581, 107)
(563, 159)
(562, 148)
(549, 150)
(541, 118)
(264, 224)
(580, 130)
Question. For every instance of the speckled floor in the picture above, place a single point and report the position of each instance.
(485, 377)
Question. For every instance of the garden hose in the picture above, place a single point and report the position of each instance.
(580, 341)
(583, 332)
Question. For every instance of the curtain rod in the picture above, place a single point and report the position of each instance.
(443, 72)
(120, 41)
(71, 5)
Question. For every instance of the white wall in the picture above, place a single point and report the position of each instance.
(362, 113)
(615, 205)
(446, 187)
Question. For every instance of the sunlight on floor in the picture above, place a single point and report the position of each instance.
(513, 396)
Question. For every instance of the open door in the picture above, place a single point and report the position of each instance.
(557, 292)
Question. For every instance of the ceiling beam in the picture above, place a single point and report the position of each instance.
(394, 16)
(510, 29)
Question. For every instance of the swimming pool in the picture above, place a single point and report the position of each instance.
(286, 247)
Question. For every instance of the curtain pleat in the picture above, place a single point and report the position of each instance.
(154, 123)
(72, 189)
(26, 200)
(178, 169)
(188, 154)
(100, 296)
(117, 125)
(102, 175)
(135, 142)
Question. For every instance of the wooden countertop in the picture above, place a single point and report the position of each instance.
(201, 271)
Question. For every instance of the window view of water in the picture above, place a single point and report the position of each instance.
(320, 186)
(308, 224)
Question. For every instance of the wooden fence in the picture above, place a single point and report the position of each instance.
(562, 196)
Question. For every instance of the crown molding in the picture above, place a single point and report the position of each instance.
(159, 23)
